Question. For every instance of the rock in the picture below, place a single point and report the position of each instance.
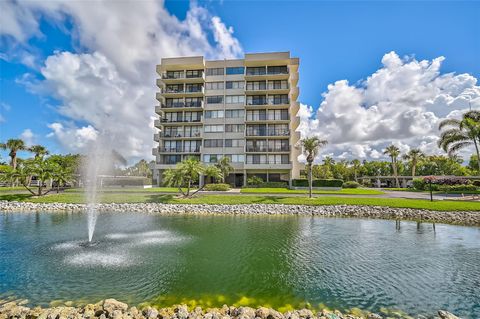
(245, 313)
(305, 313)
(373, 316)
(182, 312)
(110, 305)
(446, 315)
(262, 313)
(151, 313)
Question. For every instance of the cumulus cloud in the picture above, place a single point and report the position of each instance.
(109, 85)
(28, 137)
(401, 103)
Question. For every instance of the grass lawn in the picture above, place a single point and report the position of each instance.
(12, 189)
(345, 191)
(435, 192)
(130, 190)
(109, 197)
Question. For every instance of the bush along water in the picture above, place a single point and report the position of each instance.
(444, 184)
(217, 187)
(351, 184)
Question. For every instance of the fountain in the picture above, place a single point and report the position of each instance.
(99, 160)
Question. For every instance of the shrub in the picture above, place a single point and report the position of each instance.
(318, 183)
(351, 184)
(217, 187)
(476, 183)
(269, 185)
(457, 188)
(254, 180)
(419, 184)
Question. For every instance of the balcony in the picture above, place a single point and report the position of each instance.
(266, 118)
(182, 77)
(157, 123)
(279, 149)
(188, 150)
(180, 121)
(194, 90)
(256, 149)
(156, 137)
(181, 135)
(261, 102)
(267, 132)
(195, 104)
(270, 72)
(173, 76)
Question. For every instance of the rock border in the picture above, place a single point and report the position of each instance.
(465, 218)
(113, 309)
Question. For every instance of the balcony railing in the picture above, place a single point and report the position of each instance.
(256, 149)
(180, 134)
(183, 104)
(172, 90)
(266, 149)
(268, 102)
(165, 120)
(194, 89)
(267, 162)
(179, 149)
(267, 118)
(170, 76)
(268, 132)
(272, 86)
(279, 149)
(259, 72)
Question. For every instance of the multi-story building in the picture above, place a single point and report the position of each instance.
(243, 109)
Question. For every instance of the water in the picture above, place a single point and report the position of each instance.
(278, 261)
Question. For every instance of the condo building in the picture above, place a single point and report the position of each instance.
(243, 109)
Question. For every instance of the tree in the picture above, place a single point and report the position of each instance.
(62, 175)
(393, 152)
(225, 167)
(459, 134)
(14, 145)
(414, 156)
(310, 148)
(188, 172)
(42, 169)
(356, 165)
(39, 151)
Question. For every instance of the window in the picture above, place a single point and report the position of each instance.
(256, 100)
(174, 103)
(193, 102)
(192, 146)
(235, 99)
(283, 69)
(278, 146)
(216, 99)
(276, 115)
(194, 73)
(193, 88)
(278, 99)
(236, 158)
(257, 85)
(214, 114)
(230, 85)
(174, 88)
(215, 71)
(278, 159)
(193, 131)
(173, 75)
(192, 117)
(278, 85)
(211, 158)
(214, 85)
(256, 145)
(239, 113)
(234, 128)
(256, 70)
(257, 115)
(257, 159)
(234, 143)
(213, 128)
(173, 117)
(173, 131)
(278, 130)
(172, 159)
(235, 70)
(213, 143)
(257, 130)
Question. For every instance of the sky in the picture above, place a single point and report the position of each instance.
(371, 73)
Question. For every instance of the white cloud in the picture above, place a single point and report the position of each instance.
(111, 89)
(401, 103)
(28, 137)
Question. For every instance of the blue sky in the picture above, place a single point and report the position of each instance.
(334, 40)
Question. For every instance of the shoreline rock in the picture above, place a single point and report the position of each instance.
(465, 218)
(113, 309)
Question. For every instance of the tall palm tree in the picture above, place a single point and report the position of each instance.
(310, 148)
(225, 167)
(356, 164)
(414, 156)
(393, 152)
(459, 134)
(14, 145)
(39, 151)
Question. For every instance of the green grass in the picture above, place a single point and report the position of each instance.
(345, 191)
(250, 199)
(129, 190)
(435, 192)
(12, 189)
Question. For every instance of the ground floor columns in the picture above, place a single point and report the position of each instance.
(245, 177)
(201, 181)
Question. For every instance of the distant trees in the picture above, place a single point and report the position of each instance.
(413, 156)
(13, 145)
(393, 152)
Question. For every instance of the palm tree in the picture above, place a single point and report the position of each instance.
(39, 151)
(225, 167)
(414, 156)
(356, 164)
(310, 148)
(393, 152)
(187, 172)
(459, 134)
(62, 175)
(14, 145)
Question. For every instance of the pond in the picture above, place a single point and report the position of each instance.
(276, 261)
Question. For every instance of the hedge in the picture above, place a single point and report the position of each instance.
(351, 184)
(269, 185)
(318, 183)
(217, 187)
